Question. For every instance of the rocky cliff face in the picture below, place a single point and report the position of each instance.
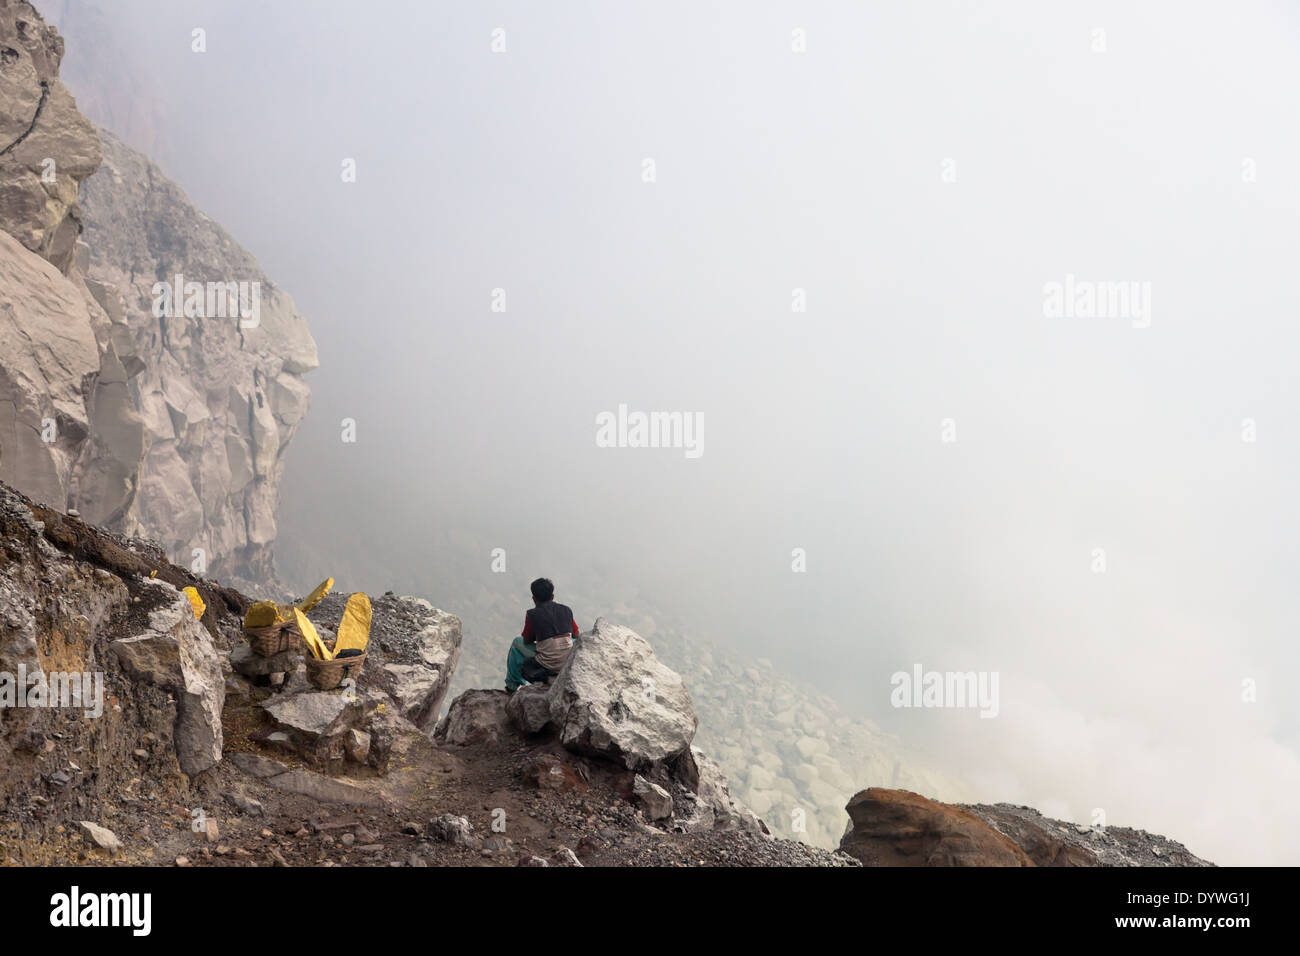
(220, 397)
(54, 336)
(113, 91)
(46, 147)
(152, 404)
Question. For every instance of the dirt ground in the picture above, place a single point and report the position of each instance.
(384, 820)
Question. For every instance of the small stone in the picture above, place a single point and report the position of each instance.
(245, 803)
(356, 744)
(566, 857)
(656, 802)
(102, 836)
(182, 861)
(455, 830)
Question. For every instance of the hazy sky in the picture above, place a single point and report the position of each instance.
(922, 171)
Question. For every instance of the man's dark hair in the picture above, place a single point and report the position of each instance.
(543, 589)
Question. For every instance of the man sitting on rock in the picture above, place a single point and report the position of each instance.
(540, 651)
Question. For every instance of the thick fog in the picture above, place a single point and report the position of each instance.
(827, 234)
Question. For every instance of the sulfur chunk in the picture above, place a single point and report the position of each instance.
(196, 602)
(354, 629)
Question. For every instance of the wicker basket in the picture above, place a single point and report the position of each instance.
(274, 638)
(326, 675)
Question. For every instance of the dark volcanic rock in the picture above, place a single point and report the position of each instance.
(900, 828)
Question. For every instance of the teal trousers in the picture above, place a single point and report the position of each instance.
(519, 652)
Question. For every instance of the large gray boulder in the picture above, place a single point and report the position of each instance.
(614, 699)
(176, 652)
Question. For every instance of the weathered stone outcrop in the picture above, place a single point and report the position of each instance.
(81, 611)
(176, 652)
(900, 828)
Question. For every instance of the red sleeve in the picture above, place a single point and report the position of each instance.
(576, 632)
(527, 632)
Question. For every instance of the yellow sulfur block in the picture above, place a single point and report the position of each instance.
(311, 600)
(312, 639)
(354, 629)
(261, 614)
(196, 602)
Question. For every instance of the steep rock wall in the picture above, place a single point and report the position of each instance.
(163, 422)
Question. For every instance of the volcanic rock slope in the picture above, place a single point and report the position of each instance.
(192, 750)
(198, 752)
(171, 426)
